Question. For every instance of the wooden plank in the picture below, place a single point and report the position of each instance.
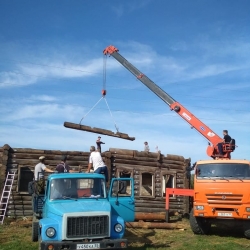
(98, 131)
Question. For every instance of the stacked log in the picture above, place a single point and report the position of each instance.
(149, 171)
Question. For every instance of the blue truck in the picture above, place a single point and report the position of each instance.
(77, 212)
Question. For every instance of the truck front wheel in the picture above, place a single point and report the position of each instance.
(199, 225)
(35, 228)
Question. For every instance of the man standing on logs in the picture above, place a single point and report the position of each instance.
(146, 146)
(39, 174)
(95, 161)
(98, 144)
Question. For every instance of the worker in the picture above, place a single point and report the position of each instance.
(63, 167)
(146, 146)
(40, 168)
(98, 144)
(157, 150)
(95, 161)
(226, 139)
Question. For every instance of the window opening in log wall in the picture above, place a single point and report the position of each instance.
(147, 184)
(168, 181)
(25, 175)
(121, 188)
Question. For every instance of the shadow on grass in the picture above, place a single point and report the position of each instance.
(142, 239)
(225, 231)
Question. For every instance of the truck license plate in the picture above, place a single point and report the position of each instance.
(88, 246)
(225, 214)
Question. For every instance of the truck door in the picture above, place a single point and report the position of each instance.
(121, 198)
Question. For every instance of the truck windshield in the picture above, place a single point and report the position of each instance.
(74, 188)
(223, 170)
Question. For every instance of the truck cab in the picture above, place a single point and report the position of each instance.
(221, 195)
(79, 213)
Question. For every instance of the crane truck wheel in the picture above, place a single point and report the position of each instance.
(199, 225)
(247, 233)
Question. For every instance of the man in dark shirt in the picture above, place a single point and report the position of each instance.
(98, 144)
(226, 139)
(63, 167)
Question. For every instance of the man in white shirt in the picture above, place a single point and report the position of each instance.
(95, 161)
(146, 146)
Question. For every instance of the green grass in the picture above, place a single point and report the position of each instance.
(17, 236)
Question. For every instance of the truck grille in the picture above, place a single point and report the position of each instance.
(87, 226)
(224, 199)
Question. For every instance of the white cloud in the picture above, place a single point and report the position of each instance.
(43, 98)
(121, 9)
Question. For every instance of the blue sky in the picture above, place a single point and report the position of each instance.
(51, 71)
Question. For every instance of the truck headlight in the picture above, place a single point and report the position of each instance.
(248, 209)
(199, 207)
(118, 228)
(50, 232)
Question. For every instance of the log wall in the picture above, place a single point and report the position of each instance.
(152, 172)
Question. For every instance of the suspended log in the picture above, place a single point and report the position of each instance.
(98, 131)
(152, 225)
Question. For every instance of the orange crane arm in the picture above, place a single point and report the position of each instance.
(203, 129)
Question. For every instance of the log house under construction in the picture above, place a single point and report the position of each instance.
(152, 173)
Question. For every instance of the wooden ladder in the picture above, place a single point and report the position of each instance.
(6, 195)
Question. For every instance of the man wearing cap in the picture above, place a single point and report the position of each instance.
(40, 168)
(98, 144)
(95, 161)
(39, 174)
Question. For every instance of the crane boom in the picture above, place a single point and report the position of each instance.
(195, 123)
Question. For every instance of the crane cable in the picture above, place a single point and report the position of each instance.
(104, 92)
